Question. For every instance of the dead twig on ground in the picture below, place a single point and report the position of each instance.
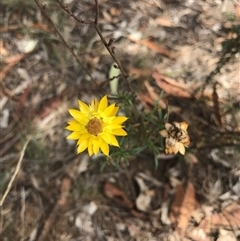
(15, 172)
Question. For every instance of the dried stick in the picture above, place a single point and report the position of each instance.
(15, 172)
(108, 46)
(42, 7)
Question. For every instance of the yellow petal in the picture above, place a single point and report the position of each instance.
(74, 126)
(112, 126)
(105, 137)
(95, 144)
(104, 148)
(119, 119)
(94, 105)
(115, 111)
(73, 136)
(83, 107)
(83, 138)
(79, 116)
(113, 140)
(73, 122)
(82, 146)
(119, 132)
(109, 110)
(109, 138)
(90, 148)
(103, 104)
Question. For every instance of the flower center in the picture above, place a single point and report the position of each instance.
(95, 126)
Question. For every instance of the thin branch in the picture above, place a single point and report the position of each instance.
(15, 172)
(107, 46)
(42, 7)
(96, 13)
(65, 7)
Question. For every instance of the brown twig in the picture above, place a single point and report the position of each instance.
(15, 172)
(42, 7)
(108, 45)
(65, 8)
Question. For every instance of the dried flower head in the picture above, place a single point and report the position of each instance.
(95, 126)
(176, 137)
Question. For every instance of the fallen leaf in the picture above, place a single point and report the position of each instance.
(144, 198)
(11, 61)
(145, 99)
(83, 221)
(226, 235)
(115, 11)
(83, 165)
(91, 208)
(107, 17)
(166, 22)
(228, 218)
(191, 158)
(151, 45)
(117, 195)
(9, 28)
(169, 88)
(22, 100)
(184, 203)
(51, 104)
(3, 50)
(65, 189)
(156, 47)
(237, 11)
(198, 234)
(42, 27)
(175, 236)
(154, 96)
(143, 73)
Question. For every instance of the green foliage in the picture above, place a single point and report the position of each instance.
(143, 130)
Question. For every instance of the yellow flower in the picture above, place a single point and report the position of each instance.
(95, 126)
(176, 137)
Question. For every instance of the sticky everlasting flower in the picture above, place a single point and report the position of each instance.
(95, 126)
(176, 137)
